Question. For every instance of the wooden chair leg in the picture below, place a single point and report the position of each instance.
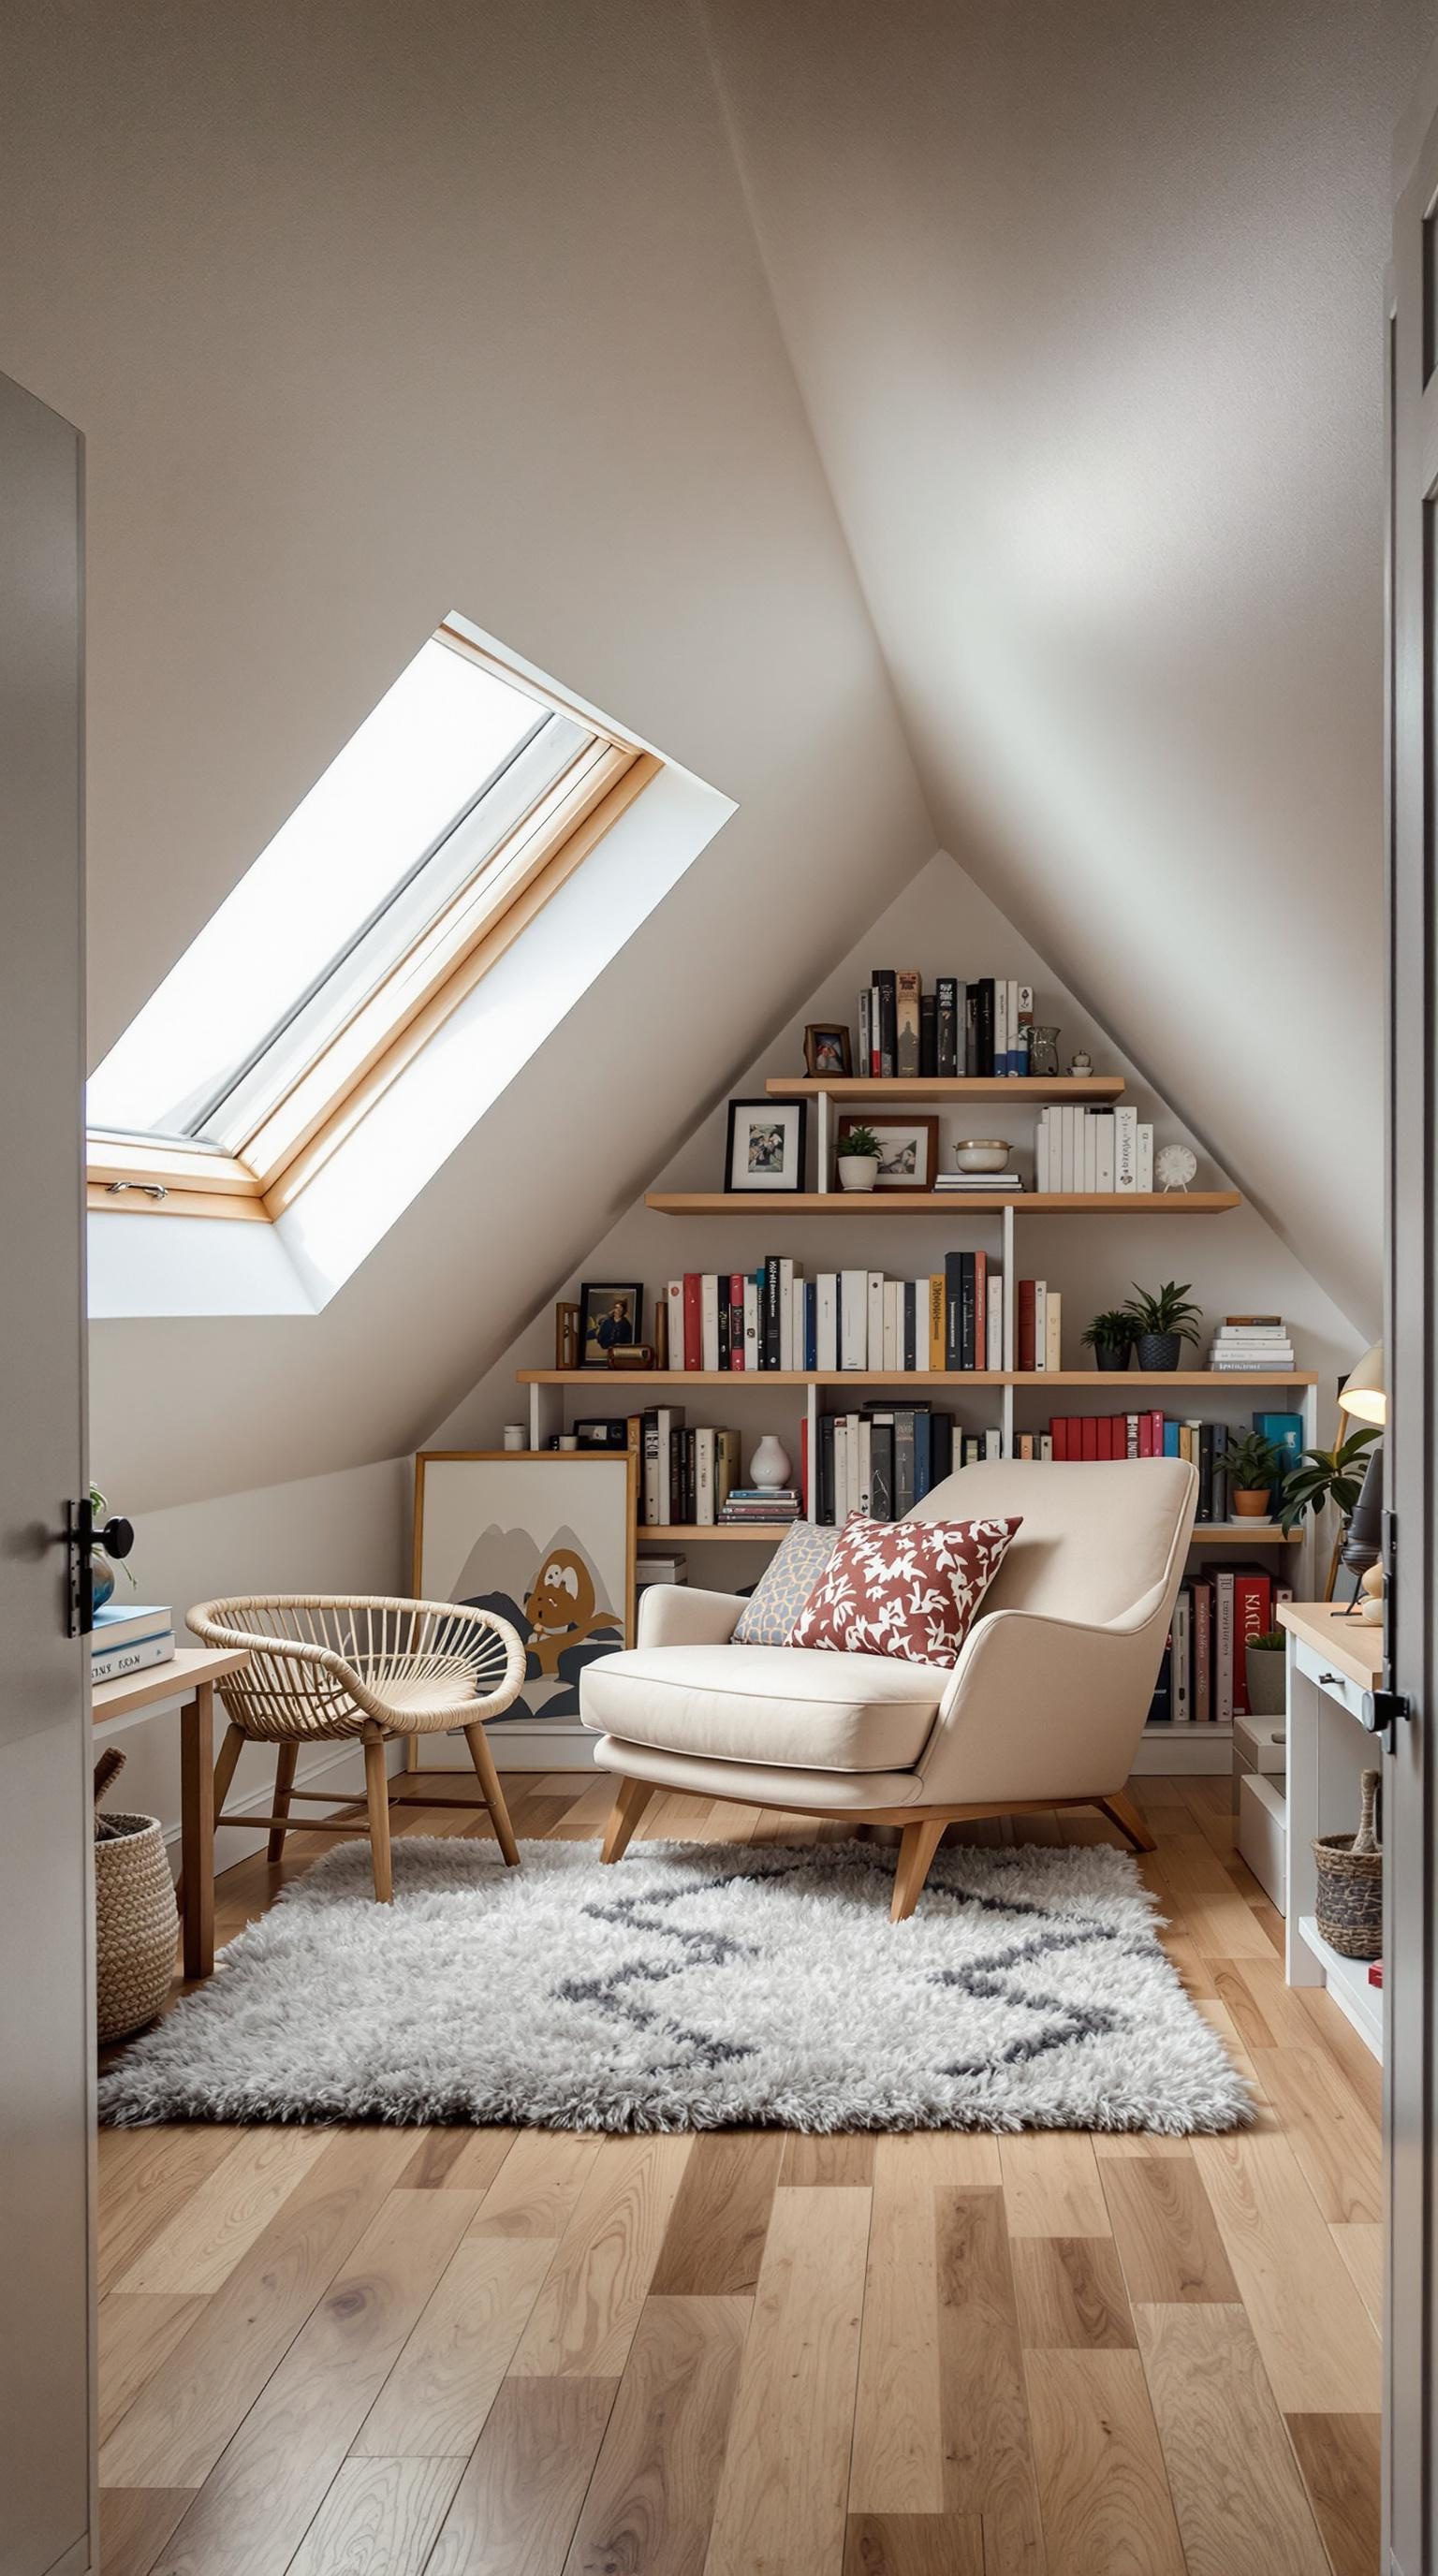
(1121, 1811)
(376, 1781)
(624, 1815)
(916, 1851)
(288, 1756)
(491, 1792)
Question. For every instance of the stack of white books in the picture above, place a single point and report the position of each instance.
(961, 1181)
(654, 1566)
(125, 1640)
(1081, 1150)
(1251, 1342)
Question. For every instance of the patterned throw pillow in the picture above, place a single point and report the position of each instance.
(776, 1601)
(903, 1588)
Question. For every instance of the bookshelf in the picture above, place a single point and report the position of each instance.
(897, 1203)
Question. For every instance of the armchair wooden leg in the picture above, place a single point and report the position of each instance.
(288, 1756)
(1121, 1811)
(491, 1792)
(628, 1807)
(916, 1851)
(376, 1782)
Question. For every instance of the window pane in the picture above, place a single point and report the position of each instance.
(414, 768)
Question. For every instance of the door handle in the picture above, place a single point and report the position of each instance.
(80, 1536)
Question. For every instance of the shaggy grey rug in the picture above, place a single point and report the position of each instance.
(694, 1986)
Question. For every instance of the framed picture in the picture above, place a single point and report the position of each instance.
(826, 1050)
(545, 1538)
(608, 1315)
(908, 1150)
(766, 1144)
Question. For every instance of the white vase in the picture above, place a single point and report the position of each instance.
(858, 1171)
(769, 1466)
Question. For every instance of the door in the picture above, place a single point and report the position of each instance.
(46, 1970)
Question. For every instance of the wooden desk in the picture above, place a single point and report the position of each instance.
(187, 1684)
(1332, 1662)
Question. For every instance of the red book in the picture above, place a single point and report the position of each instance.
(693, 1357)
(1059, 1434)
(981, 1308)
(1088, 1434)
(1375, 1972)
(1145, 1435)
(1251, 1616)
(1156, 1424)
(1026, 1324)
(736, 1328)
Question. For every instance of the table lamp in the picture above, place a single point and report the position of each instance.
(1364, 1398)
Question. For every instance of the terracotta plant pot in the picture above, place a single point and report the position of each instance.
(858, 1171)
(1252, 1503)
(1158, 1352)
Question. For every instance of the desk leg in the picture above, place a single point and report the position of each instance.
(197, 1829)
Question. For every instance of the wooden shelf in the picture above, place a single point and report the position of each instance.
(1347, 1981)
(1042, 1379)
(895, 1203)
(764, 1532)
(899, 1089)
(1115, 1380)
(1225, 1533)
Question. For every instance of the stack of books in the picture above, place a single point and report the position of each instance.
(746, 1504)
(975, 1028)
(1203, 1679)
(1091, 1150)
(125, 1640)
(1251, 1342)
(961, 1181)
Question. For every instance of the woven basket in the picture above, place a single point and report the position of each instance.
(135, 1924)
(1350, 1897)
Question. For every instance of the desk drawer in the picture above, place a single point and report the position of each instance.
(1263, 1834)
(1328, 1678)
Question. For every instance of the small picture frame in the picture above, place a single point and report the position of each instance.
(828, 1051)
(908, 1150)
(766, 1144)
(566, 1335)
(608, 1315)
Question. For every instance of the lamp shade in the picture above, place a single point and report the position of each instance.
(1364, 1393)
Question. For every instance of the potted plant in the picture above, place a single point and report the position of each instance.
(1264, 1662)
(1110, 1338)
(1327, 1476)
(1161, 1324)
(1253, 1467)
(859, 1161)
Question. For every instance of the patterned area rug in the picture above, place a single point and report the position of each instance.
(695, 1986)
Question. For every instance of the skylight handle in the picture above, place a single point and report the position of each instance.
(147, 1189)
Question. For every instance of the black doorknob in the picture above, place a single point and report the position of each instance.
(117, 1537)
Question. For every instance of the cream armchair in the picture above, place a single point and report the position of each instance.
(1044, 1708)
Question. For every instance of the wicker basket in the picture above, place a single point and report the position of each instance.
(1350, 1897)
(135, 1924)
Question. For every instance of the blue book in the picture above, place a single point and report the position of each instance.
(1170, 1439)
(1285, 1430)
(811, 1325)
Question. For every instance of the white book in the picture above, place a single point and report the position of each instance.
(827, 1319)
(1023, 1023)
(786, 1314)
(121, 1623)
(921, 1325)
(1041, 1324)
(994, 1323)
(1046, 1446)
(854, 1289)
(1103, 1150)
(1053, 1329)
(704, 1513)
(1143, 1160)
(751, 1323)
(841, 1470)
(113, 1663)
(865, 1444)
(1066, 1147)
(708, 1322)
(1125, 1148)
(893, 1323)
(674, 1302)
(1090, 1152)
(993, 1442)
(1001, 1025)
(1041, 1151)
(1181, 1669)
(875, 1330)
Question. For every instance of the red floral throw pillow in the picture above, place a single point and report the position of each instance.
(903, 1588)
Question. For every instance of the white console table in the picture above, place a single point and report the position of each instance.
(1333, 1662)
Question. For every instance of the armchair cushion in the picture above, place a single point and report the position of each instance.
(785, 1585)
(908, 1589)
(767, 1704)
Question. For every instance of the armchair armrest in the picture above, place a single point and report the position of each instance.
(1043, 1707)
(673, 1614)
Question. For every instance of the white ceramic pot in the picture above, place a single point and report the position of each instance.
(769, 1466)
(982, 1154)
(858, 1171)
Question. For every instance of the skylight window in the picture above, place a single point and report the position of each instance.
(461, 785)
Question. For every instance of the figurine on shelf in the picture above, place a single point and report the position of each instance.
(1081, 1065)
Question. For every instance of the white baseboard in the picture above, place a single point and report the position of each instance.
(530, 1744)
(1175, 1749)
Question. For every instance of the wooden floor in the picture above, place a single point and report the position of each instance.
(515, 2353)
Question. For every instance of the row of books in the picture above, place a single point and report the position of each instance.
(1251, 1342)
(958, 1028)
(884, 1458)
(843, 1319)
(1092, 1149)
(1158, 1435)
(1203, 1679)
(129, 1640)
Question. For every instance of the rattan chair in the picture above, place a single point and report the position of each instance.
(325, 1668)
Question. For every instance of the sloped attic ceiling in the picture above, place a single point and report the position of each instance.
(1086, 304)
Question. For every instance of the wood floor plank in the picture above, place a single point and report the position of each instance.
(1361, 2248)
(146, 2176)
(651, 2499)
(923, 2158)
(135, 2523)
(897, 2465)
(714, 2242)
(445, 2381)
(1051, 2185)
(457, 2159)
(1102, 2484)
(138, 2329)
(1231, 2472)
(782, 2497)
(379, 2518)
(257, 2503)
(1069, 2291)
(1338, 2146)
(186, 2413)
(200, 2245)
(983, 2407)
(1318, 2346)
(537, 2188)
(584, 2318)
(1340, 2041)
(1167, 2236)
(516, 2506)
(1340, 2456)
(914, 2544)
(1126, 2145)
(837, 2163)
